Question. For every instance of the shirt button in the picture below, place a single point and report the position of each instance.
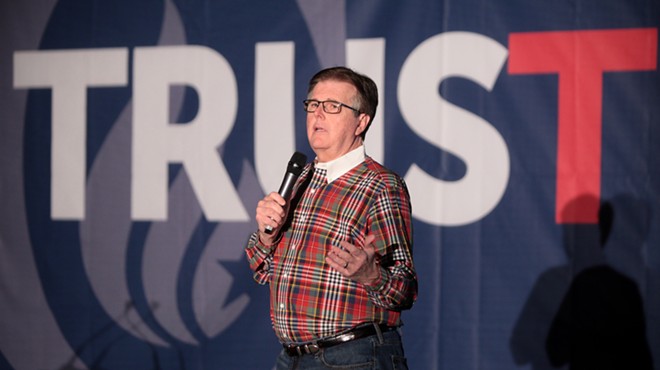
(282, 305)
(313, 191)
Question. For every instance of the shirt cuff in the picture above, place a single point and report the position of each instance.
(257, 243)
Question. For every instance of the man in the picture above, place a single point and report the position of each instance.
(339, 261)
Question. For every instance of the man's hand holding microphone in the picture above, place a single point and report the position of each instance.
(272, 209)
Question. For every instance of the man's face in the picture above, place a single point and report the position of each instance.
(333, 135)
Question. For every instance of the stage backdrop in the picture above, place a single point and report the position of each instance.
(136, 138)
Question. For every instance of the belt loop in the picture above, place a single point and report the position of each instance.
(379, 333)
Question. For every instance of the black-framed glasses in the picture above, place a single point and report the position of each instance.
(329, 106)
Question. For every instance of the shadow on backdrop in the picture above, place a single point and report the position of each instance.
(585, 314)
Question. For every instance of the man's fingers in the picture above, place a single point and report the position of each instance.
(270, 212)
(356, 250)
(277, 198)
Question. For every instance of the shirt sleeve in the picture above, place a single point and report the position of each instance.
(260, 258)
(390, 221)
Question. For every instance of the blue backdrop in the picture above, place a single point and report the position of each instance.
(136, 138)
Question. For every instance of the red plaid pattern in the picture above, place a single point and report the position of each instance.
(310, 300)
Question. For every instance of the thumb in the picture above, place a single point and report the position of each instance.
(368, 240)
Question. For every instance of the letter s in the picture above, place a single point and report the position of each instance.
(464, 134)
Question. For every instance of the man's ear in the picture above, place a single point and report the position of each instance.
(362, 124)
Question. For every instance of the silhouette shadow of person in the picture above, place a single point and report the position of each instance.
(600, 323)
(528, 339)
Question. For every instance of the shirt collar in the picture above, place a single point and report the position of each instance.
(337, 167)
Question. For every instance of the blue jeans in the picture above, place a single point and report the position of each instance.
(376, 352)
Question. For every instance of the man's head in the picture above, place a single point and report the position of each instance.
(341, 105)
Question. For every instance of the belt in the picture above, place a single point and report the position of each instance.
(353, 334)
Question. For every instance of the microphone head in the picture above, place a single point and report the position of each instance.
(296, 163)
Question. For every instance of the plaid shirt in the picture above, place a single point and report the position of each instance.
(309, 299)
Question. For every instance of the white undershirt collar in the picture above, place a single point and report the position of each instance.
(337, 167)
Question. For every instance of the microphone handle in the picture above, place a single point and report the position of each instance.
(287, 185)
(285, 191)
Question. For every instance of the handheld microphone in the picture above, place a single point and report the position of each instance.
(293, 170)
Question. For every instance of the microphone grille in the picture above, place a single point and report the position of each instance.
(297, 162)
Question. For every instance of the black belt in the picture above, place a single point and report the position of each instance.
(353, 334)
